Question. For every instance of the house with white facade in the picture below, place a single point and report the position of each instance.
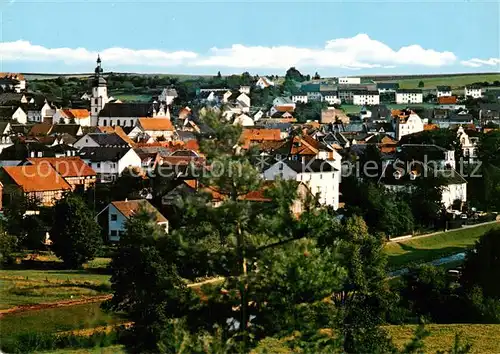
(72, 116)
(320, 176)
(408, 124)
(332, 97)
(243, 120)
(110, 162)
(349, 81)
(114, 216)
(314, 96)
(409, 96)
(168, 95)
(245, 90)
(366, 98)
(13, 113)
(469, 145)
(264, 82)
(101, 140)
(453, 185)
(13, 81)
(474, 91)
(300, 98)
(156, 127)
(443, 91)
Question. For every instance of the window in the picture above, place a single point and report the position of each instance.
(131, 123)
(281, 166)
(86, 140)
(113, 233)
(114, 217)
(118, 122)
(104, 122)
(98, 165)
(320, 176)
(96, 100)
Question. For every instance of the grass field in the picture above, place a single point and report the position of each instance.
(131, 97)
(426, 249)
(20, 286)
(58, 319)
(457, 81)
(485, 338)
(114, 349)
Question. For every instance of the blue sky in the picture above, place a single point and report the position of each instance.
(334, 38)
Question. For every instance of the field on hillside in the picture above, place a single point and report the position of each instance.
(457, 81)
(426, 249)
(485, 338)
(45, 280)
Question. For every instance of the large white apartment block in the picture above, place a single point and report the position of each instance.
(409, 96)
(366, 98)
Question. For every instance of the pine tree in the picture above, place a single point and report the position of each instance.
(75, 234)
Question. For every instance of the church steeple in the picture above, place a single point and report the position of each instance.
(99, 93)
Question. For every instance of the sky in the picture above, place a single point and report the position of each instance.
(203, 37)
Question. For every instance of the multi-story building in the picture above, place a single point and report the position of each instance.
(409, 96)
(366, 98)
(474, 91)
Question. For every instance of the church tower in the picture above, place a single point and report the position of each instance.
(99, 94)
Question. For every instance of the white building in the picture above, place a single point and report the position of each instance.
(409, 96)
(349, 81)
(366, 98)
(332, 97)
(14, 113)
(100, 139)
(469, 144)
(156, 127)
(454, 186)
(314, 96)
(408, 124)
(109, 162)
(443, 91)
(245, 89)
(72, 116)
(12, 81)
(319, 175)
(168, 96)
(300, 97)
(264, 82)
(114, 217)
(243, 120)
(473, 91)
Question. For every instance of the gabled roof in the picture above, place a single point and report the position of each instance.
(76, 113)
(127, 110)
(130, 207)
(156, 124)
(100, 154)
(71, 129)
(36, 178)
(447, 100)
(6, 112)
(105, 139)
(40, 129)
(117, 130)
(409, 91)
(21, 150)
(65, 166)
(313, 166)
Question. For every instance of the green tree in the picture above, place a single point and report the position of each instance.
(8, 244)
(482, 265)
(75, 234)
(316, 76)
(421, 84)
(294, 75)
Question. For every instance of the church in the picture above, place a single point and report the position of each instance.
(106, 112)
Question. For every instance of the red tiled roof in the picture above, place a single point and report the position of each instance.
(37, 178)
(156, 124)
(14, 76)
(447, 100)
(76, 113)
(430, 127)
(282, 109)
(66, 166)
(119, 131)
(129, 207)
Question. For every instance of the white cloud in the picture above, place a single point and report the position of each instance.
(358, 52)
(25, 51)
(476, 63)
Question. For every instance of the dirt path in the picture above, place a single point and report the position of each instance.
(64, 303)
